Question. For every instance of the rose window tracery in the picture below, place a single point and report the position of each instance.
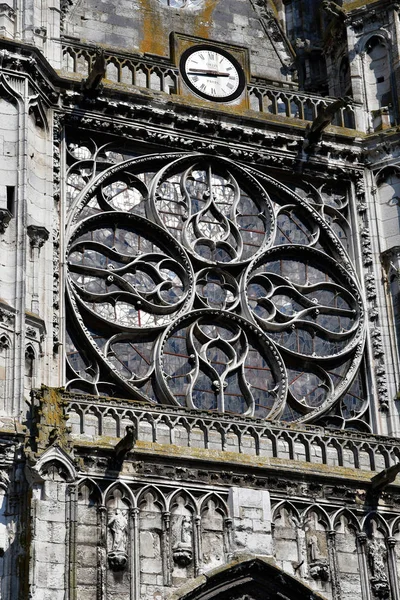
(198, 282)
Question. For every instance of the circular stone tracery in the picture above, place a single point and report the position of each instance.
(165, 246)
(218, 361)
(218, 212)
(128, 272)
(304, 302)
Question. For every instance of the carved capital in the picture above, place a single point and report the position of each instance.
(362, 538)
(391, 542)
(5, 218)
(38, 235)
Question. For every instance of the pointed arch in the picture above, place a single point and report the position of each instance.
(322, 515)
(182, 493)
(213, 496)
(255, 577)
(122, 487)
(55, 456)
(158, 496)
(9, 93)
(95, 491)
(288, 505)
(350, 516)
(394, 526)
(375, 517)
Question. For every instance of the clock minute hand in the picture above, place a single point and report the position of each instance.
(207, 72)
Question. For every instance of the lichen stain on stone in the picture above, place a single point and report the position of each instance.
(155, 37)
(202, 21)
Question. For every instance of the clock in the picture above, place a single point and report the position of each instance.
(212, 73)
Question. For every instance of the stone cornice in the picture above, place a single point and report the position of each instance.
(239, 138)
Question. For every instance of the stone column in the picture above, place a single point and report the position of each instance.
(336, 592)
(38, 236)
(165, 549)
(392, 567)
(135, 558)
(197, 535)
(362, 558)
(102, 553)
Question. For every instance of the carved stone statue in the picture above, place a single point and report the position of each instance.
(313, 545)
(377, 554)
(118, 525)
(186, 531)
(319, 568)
(182, 552)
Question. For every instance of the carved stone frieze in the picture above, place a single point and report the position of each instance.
(7, 316)
(223, 137)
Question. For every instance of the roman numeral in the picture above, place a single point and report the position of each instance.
(230, 86)
(203, 87)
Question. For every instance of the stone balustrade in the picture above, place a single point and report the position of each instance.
(156, 74)
(91, 417)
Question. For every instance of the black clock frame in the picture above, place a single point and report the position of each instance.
(242, 78)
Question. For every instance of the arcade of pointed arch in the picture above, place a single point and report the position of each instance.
(172, 530)
(198, 282)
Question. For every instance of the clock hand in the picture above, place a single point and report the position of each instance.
(209, 73)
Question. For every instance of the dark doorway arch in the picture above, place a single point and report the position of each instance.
(249, 579)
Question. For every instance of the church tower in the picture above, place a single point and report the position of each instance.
(199, 300)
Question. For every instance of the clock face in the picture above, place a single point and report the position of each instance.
(212, 74)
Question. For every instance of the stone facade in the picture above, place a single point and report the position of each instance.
(199, 301)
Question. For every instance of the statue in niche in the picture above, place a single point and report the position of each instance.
(313, 545)
(182, 551)
(118, 524)
(186, 531)
(318, 563)
(117, 533)
(377, 554)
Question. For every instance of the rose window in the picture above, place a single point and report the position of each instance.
(197, 282)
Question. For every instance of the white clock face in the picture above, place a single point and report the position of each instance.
(212, 74)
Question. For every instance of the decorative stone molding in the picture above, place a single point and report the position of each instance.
(172, 130)
(35, 327)
(319, 569)
(5, 218)
(7, 314)
(38, 235)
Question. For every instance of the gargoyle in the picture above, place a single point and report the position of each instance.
(97, 73)
(322, 120)
(334, 9)
(384, 478)
(125, 445)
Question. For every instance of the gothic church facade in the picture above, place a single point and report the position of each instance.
(199, 300)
